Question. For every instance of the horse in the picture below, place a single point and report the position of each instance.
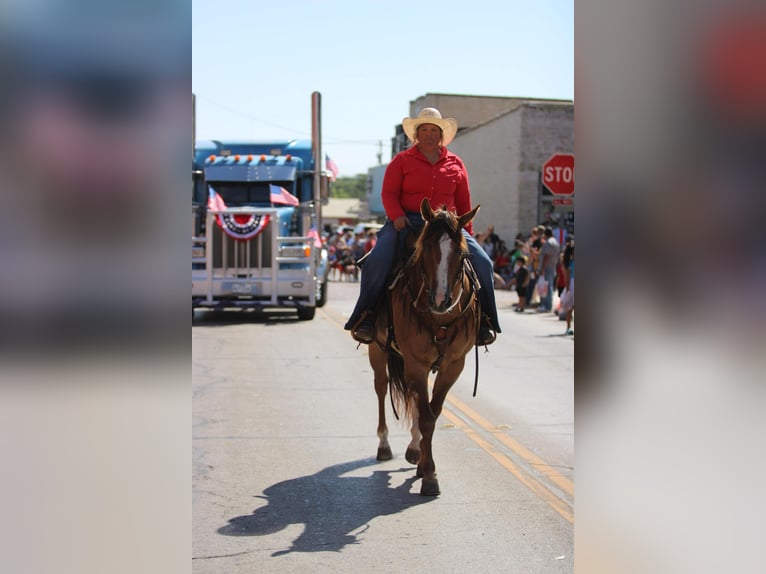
(428, 322)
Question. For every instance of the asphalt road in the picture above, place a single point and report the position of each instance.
(284, 471)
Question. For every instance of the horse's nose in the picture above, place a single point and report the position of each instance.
(446, 304)
(440, 302)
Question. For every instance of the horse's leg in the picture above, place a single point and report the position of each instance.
(413, 449)
(378, 360)
(432, 409)
(426, 424)
(444, 381)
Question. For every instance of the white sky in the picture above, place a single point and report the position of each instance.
(256, 62)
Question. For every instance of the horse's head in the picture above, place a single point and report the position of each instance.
(440, 250)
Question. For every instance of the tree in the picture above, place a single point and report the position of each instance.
(352, 187)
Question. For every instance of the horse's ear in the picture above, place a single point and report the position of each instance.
(466, 218)
(425, 209)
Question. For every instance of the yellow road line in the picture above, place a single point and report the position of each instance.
(532, 484)
(564, 483)
(333, 316)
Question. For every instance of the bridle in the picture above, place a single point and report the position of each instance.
(429, 317)
(457, 283)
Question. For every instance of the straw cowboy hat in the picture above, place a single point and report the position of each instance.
(431, 116)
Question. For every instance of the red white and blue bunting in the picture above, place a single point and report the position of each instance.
(239, 226)
(243, 226)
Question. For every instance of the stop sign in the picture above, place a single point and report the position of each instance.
(558, 174)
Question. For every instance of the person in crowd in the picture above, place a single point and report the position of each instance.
(493, 238)
(567, 302)
(560, 231)
(517, 250)
(357, 252)
(532, 248)
(372, 238)
(357, 247)
(548, 259)
(502, 261)
(520, 280)
(486, 244)
(426, 169)
(561, 278)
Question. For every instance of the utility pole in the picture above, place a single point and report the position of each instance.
(380, 152)
(194, 121)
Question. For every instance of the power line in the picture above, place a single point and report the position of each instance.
(351, 142)
(327, 140)
(251, 117)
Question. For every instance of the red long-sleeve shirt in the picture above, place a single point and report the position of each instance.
(410, 177)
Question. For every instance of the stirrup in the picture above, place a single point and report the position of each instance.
(486, 334)
(364, 330)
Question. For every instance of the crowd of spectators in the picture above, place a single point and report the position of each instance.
(537, 265)
(344, 249)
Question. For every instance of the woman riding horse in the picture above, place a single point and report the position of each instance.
(425, 170)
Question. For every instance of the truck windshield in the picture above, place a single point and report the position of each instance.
(245, 193)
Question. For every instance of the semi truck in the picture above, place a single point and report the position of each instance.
(257, 223)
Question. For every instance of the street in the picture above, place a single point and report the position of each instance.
(284, 442)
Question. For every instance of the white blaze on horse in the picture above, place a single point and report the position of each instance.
(434, 313)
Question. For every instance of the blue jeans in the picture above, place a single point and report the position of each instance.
(547, 301)
(377, 266)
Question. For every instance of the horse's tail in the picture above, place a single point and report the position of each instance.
(400, 393)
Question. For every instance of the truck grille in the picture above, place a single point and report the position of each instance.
(241, 256)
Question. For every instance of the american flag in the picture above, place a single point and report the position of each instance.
(281, 195)
(332, 166)
(215, 201)
(314, 234)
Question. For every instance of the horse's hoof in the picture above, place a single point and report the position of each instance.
(384, 453)
(412, 456)
(430, 488)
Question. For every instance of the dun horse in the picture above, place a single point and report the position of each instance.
(434, 313)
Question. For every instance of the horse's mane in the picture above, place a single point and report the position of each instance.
(444, 221)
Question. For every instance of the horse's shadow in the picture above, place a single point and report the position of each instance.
(330, 506)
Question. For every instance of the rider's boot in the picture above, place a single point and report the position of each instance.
(364, 332)
(486, 335)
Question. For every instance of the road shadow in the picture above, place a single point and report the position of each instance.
(330, 505)
(556, 336)
(218, 318)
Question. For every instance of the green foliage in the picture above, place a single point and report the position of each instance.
(353, 187)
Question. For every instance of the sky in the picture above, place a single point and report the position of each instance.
(256, 63)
